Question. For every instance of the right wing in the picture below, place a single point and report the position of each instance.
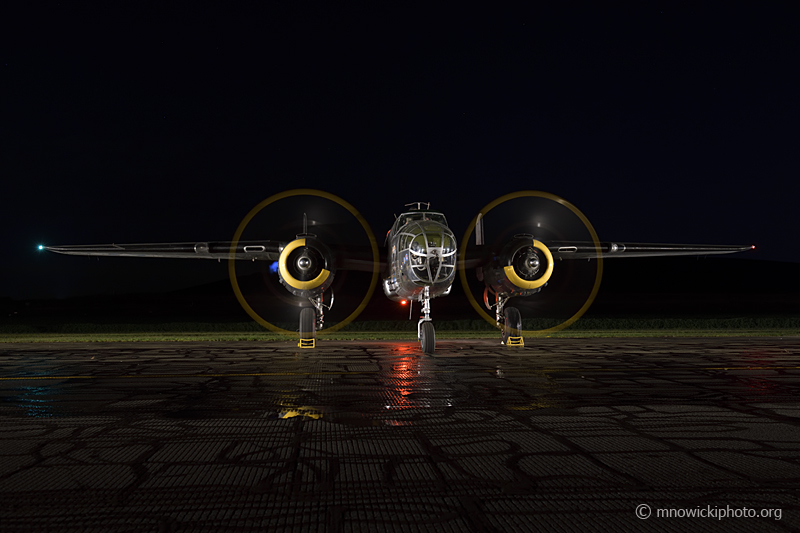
(348, 258)
(246, 250)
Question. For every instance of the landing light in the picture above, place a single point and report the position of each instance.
(40, 247)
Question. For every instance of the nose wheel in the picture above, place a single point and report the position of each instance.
(425, 331)
(427, 338)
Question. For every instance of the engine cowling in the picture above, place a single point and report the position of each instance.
(522, 268)
(306, 267)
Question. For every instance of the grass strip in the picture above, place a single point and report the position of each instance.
(405, 326)
(383, 335)
(182, 331)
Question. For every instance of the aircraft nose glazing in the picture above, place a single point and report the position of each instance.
(432, 253)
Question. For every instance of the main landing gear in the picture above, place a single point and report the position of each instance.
(512, 327)
(311, 320)
(425, 331)
(508, 319)
(308, 328)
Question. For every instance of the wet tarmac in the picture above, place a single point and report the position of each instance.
(561, 435)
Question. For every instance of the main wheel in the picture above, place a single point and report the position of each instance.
(427, 338)
(513, 325)
(308, 323)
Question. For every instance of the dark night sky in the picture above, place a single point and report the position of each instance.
(667, 122)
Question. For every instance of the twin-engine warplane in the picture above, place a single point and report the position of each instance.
(419, 263)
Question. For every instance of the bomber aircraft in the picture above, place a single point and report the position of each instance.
(419, 264)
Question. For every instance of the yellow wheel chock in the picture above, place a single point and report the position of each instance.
(515, 341)
(307, 343)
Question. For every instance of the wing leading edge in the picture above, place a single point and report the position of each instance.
(270, 251)
(351, 258)
(608, 250)
(245, 250)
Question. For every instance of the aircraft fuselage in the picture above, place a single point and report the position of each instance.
(422, 257)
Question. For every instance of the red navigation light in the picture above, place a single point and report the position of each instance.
(753, 247)
(403, 302)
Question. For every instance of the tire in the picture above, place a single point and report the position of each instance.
(427, 338)
(308, 323)
(513, 325)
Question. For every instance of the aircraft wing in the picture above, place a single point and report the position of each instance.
(608, 250)
(247, 250)
(349, 258)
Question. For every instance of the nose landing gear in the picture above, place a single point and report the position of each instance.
(425, 330)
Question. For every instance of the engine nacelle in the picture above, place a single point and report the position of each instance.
(522, 268)
(306, 267)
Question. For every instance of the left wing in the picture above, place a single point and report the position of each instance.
(588, 250)
(249, 250)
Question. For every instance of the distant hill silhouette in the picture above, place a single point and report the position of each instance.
(711, 285)
(648, 286)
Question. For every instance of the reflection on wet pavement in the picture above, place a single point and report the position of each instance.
(375, 436)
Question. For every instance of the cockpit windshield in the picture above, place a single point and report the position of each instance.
(405, 218)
